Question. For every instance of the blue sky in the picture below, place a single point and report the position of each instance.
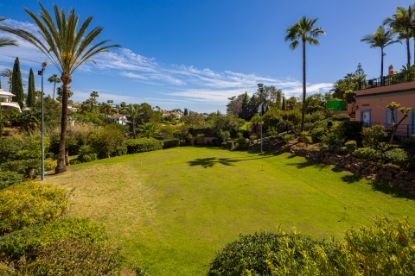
(196, 54)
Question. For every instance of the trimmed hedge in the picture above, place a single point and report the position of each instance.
(9, 178)
(30, 203)
(368, 154)
(171, 143)
(143, 145)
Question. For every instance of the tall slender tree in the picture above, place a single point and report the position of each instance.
(31, 97)
(304, 31)
(380, 39)
(54, 79)
(68, 44)
(17, 84)
(401, 24)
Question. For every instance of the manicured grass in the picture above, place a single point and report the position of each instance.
(172, 210)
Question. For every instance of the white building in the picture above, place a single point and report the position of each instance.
(6, 101)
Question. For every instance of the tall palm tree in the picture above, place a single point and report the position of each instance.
(8, 73)
(380, 39)
(67, 46)
(4, 41)
(54, 79)
(304, 31)
(401, 23)
(133, 114)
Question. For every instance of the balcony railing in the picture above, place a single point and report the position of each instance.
(386, 80)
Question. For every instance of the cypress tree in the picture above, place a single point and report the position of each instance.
(17, 84)
(283, 107)
(0, 84)
(30, 101)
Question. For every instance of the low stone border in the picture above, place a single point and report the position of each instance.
(385, 176)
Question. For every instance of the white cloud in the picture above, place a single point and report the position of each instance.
(180, 83)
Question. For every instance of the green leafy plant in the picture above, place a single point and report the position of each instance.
(10, 178)
(30, 203)
(373, 136)
(368, 154)
(143, 145)
(397, 156)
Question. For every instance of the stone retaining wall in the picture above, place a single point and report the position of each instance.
(388, 176)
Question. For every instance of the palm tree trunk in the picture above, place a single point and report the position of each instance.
(304, 86)
(413, 31)
(381, 65)
(408, 53)
(61, 166)
(54, 90)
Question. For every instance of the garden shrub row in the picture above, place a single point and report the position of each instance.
(386, 248)
(30, 203)
(67, 246)
(9, 178)
(143, 145)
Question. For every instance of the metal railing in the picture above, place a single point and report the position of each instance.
(386, 80)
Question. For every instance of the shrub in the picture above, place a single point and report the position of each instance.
(397, 156)
(30, 203)
(287, 137)
(69, 246)
(373, 136)
(341, 117)
(333, 139)
(170, 143)
(305, 137)
(9, 178)
(27, 167)
(352, 130)
(107, 141)
(368, 154)
(386, 248)
(278, 254)
(351, 146)
(75, 257)
(143, 145)
(86, 154)
(30, 240)
(317, 133)
(50, 165)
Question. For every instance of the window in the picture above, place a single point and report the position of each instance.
(366, 118)
(389, 119)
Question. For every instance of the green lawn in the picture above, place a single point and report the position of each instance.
(171, 210)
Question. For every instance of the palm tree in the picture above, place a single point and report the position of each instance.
(67, 46)
(4, 41)
(401, 23)
(8, 73)
(380, 39)
(304, 32)
(54, 79)
(133, 114)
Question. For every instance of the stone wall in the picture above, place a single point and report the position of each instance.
(385, 176)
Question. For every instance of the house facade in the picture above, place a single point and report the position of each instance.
(371, 105)
(6, 101)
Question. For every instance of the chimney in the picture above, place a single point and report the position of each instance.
(390, 70)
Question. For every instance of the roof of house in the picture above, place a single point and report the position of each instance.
(14, 105)
(5, 93)
(399, 87)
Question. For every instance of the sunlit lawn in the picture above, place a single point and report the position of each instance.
(171, 210)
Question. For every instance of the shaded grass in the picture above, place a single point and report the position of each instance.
(172, 210)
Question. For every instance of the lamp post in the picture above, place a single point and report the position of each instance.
(260, 110)
(42, 123)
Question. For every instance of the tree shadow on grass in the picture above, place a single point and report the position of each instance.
(351, 178)
(308, 163)
(211, 161)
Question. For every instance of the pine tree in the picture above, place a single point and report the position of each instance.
(283, 107)
(0, 85)
(17, 84)
(31, 98)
